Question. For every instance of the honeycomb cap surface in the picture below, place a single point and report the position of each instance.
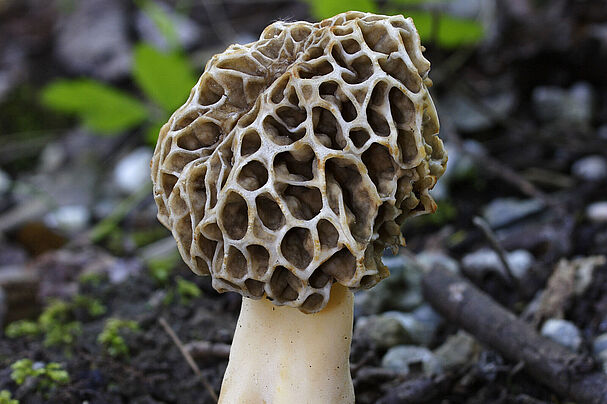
(296, 158)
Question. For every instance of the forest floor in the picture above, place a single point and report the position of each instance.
(524, 119)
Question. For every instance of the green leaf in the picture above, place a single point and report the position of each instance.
(322, 9)
(165, 78)
(454, 32)
(100, 107)
(423, 22)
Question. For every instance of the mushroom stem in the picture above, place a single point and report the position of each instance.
(281, 355)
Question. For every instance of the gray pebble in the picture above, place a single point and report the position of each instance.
(439, 259)
(555, 104)
(597, 212)
(133, 170)
(383, 331)
(407, 359)
(69, 218)
(486, 260)
(590, 168)
(563, 332)
(600, 344)
(457, 350)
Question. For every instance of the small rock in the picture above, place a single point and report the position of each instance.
(600, 344)
(401, 291)
(383, 331)
(481, 261)
(563, 332)
(603, 360)
(503, 211)
(590, 168)
(5, 182)
(597, 212)
(573, 106)
(420, 325)
(93, 39)
(133, 170)
(439, 259)
(409, 359)
(457, 350)
(70, 218)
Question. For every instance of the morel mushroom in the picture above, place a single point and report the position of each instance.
(285, 175)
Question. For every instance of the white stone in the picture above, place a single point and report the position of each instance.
(133, 170)
(71, 218)
(597, 212)
(590, 168)
(563, 332)
(402, 357)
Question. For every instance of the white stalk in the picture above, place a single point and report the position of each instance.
(281, 355)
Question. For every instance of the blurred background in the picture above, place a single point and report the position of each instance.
(86, 270)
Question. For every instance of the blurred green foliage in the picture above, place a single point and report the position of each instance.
(101, 108)
(57, 321)
(161, 268)
(47, 376)
(91, 305)
(112, 340)
(163, 77)
(322, 9)
(6, 398)
(432, 25)
(187, 290)
(22, 328)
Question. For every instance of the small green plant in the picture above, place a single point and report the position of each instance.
(432, 24)
(93, 306)
(57, 324)
(161, 268)
(164, 79)
(47, 376)
(22, 328)
(112, 340)
(187, 290)
(93, 279)
(6, 398)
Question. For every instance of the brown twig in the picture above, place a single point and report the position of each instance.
(549, 363)
(187, 357)
(499, 250)
(202, 349)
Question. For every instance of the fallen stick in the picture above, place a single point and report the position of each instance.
(205, 349)
(549, 363)
(188, 358)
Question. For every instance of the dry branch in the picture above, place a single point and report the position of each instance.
(563, 371)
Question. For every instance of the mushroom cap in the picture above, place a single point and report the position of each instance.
(297, 157)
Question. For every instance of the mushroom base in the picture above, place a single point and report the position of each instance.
(281, 355)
